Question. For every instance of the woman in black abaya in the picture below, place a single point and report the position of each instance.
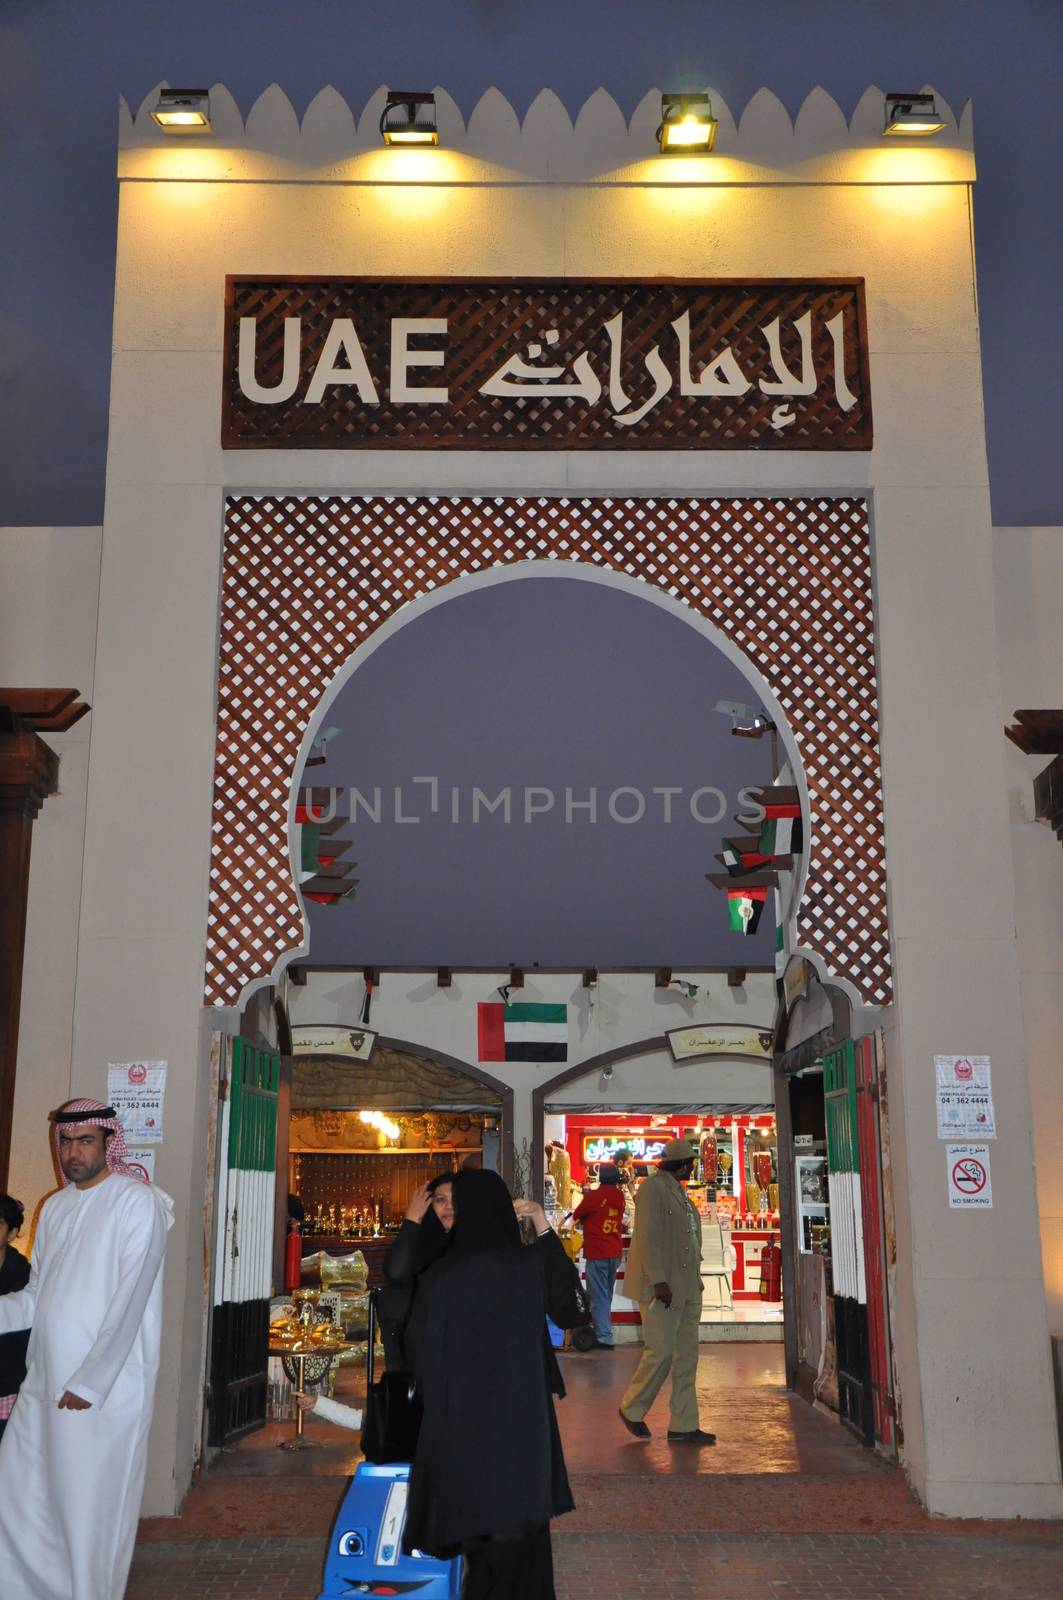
(420, 1241)
(489, 1472)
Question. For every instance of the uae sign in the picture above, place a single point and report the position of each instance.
(554, 364)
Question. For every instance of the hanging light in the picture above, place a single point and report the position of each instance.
(383, 1124)
(912, 116)
(688, 126)
(409, 117)
(183, 111)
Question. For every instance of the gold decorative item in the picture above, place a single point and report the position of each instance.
(300, 1339)
(752, 1196)
(725, 1163)
(773, 1196)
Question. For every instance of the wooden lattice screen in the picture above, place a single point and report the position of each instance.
(307, 578)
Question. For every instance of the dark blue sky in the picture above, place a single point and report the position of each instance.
(63, 65)
(491, 690)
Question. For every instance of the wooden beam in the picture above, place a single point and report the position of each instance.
(662, 977)
(29, 772)
(736, 977)
(516, 977)
(443, 977)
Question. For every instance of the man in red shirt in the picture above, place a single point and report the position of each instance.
(601, 1211)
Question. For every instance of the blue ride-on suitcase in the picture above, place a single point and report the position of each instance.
(365, 1553)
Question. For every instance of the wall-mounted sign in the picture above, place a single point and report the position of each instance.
(970, 1179)
(141, 1159)
(137, 1090)
(720, 1039)
(555, 364)
(640, 1146)
(321, 1039)
(965, 1097)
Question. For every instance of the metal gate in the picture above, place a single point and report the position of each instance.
(243, 1257)
(854, 1165)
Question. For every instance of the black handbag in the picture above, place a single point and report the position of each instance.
(393, 1408)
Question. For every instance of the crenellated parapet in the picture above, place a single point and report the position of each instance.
(599, 145)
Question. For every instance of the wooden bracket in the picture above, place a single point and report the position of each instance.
(516, 977)
(297, 976)
(736, 977)
(662, 977)
(590, 977)
(443, 977)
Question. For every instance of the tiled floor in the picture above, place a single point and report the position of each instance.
(787, 1506)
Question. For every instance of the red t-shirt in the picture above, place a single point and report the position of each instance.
(601, 1212)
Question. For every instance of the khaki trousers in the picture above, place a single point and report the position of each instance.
(670, 1337)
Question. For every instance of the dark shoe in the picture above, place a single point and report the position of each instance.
(638, 1429)
(693, 1436)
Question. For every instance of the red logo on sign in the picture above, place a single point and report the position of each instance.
(138, 1073)
(964, 1071)
(969, 1176)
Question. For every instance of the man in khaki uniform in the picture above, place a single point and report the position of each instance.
(663, 1274)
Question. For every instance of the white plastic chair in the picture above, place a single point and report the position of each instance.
(717, 1259)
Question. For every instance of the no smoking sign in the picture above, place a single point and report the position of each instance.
(970, 1183)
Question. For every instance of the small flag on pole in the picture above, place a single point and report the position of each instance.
(744, 855)
(782, 835)
(744, 908)
(524, 1032)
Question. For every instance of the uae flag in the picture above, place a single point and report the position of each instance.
(523, 1032)
(744, 908)
(781, 835)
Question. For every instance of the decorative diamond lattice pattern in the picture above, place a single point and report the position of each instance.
(306, 579)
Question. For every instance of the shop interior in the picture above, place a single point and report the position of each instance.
(362, 1137)
(735, 1187)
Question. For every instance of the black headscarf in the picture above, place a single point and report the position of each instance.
(484, 1218)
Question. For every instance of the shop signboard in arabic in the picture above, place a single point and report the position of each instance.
(555, 364)
(727, 1039)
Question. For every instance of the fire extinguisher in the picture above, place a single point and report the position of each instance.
(771, 1270)
(293, 1256)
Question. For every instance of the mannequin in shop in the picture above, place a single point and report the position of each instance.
(489, 1473)
(664, 1275)
(559, 1165)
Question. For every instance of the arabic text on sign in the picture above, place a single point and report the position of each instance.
(343, 363)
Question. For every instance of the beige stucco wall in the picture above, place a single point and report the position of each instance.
(627, 1009)
(1028, 564)
(904, 223)
(49, 582)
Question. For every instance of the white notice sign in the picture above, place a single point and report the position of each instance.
(970, 1181)
(964, 1097)
(136, 1090)
(142, 1161)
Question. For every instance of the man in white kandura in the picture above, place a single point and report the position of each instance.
(72, 1457)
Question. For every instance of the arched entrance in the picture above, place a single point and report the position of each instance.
(755, 661)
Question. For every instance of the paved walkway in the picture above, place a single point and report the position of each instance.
(672, 1567)
(787, 1506)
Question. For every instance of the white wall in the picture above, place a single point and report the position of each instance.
(49, 584)
(628, 1009)
(1028, 564)
(788, 205)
